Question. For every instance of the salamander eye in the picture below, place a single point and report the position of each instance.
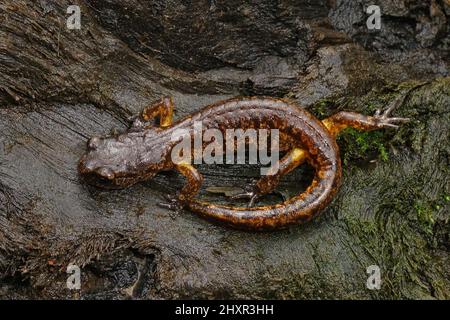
(94, 143)
(106, 173)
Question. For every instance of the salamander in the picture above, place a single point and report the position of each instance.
(142, 151)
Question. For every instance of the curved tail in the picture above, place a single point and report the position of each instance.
(298, 209)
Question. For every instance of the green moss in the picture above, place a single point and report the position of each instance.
(357, 145)
(425, 217)
(407, 220)
(322, 108)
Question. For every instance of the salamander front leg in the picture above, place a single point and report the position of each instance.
(269, 182)
(190, 189)
(162, 108)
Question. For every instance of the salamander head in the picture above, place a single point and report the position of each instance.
(117, 162)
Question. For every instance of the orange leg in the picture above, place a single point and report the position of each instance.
(193, 184)
(342, 120)
(190, 189)
(269, 182)
(162, 108)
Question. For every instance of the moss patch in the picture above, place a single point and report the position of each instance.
(357, 145)
(425, 217)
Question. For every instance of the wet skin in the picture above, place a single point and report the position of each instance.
(144, 150)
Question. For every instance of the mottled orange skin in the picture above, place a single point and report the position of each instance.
(144, 150)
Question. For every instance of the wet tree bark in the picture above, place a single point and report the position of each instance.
(58, 87)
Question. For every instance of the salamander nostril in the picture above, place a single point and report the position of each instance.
(93, 143)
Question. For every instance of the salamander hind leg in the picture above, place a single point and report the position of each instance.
(269, 182)
(381, 119)
(162, 108)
